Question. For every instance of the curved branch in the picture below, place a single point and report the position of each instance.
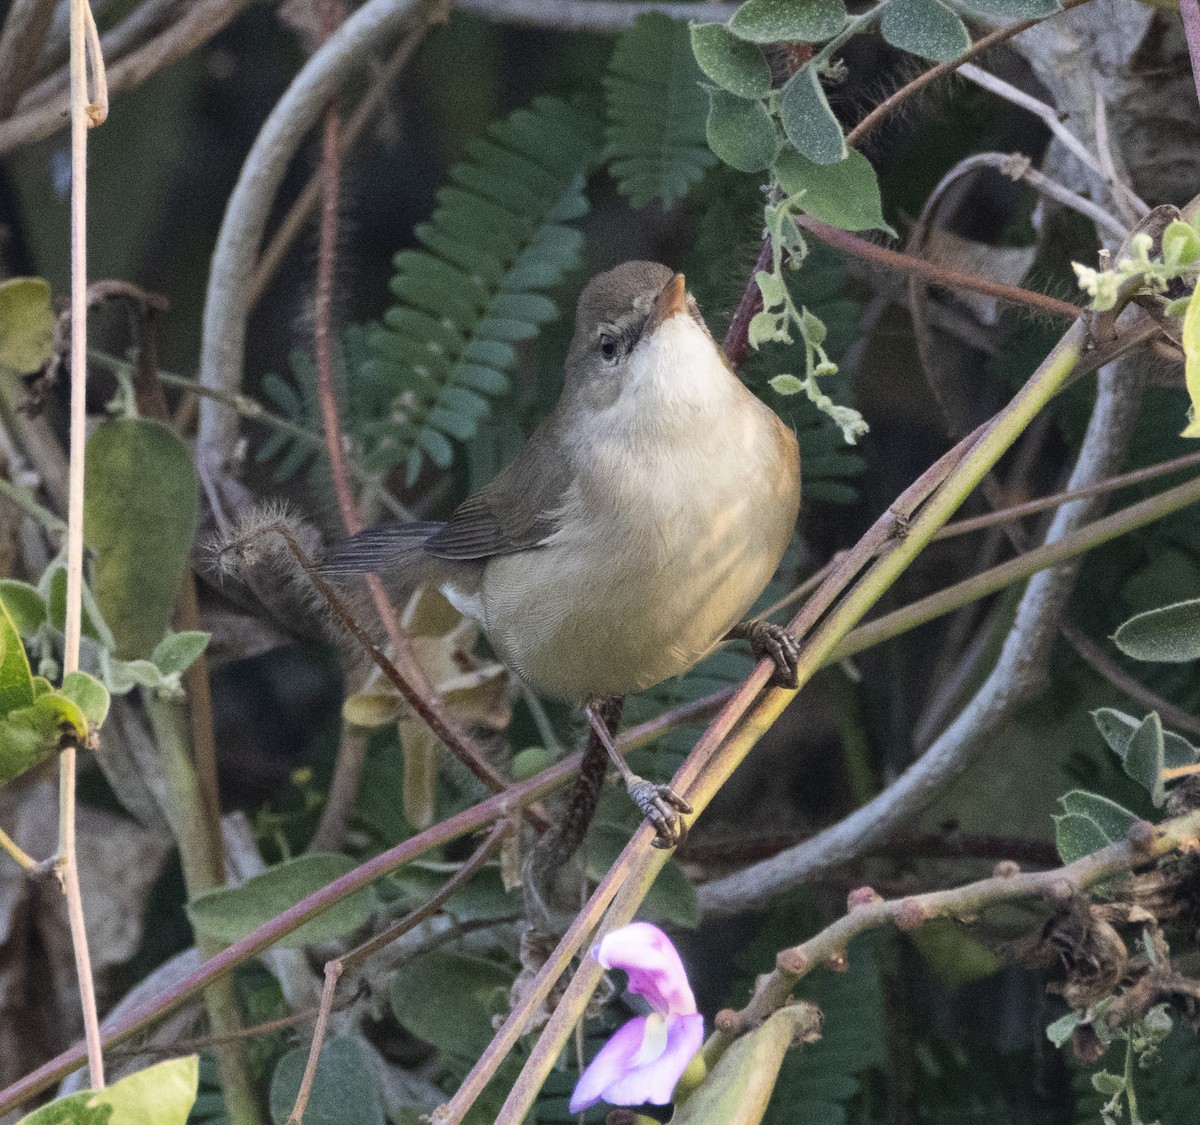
(592, 15)
(225, 308)
(1018, 674)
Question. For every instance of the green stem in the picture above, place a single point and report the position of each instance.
(854, 25)
(31, 507)
(201, 872)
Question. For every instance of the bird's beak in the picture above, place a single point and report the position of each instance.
(672, 299)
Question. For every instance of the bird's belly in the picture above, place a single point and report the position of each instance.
(641, 597)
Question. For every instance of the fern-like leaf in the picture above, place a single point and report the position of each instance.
(494, 246)
(656, 111)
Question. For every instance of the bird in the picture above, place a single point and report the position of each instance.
(635, 529)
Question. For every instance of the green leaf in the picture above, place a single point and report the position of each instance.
(16, 678)
(469, 991)
(1061, 1030)
(345, 1090)
(740, 1085)
(121, 676)
(162, 1094)
(925, 28)
(1190, 339)
(741, 132)
(142, 500)
(952, 953)
(733, 64)
(808, 121)
(176, 652)
(1144, 758)
(782, 21)
(844, 195)
(26, 324)
(785, 384)
(1077, 836)
(1112, 819)
(88, 694)
(1117, 729)
(25, 605)
(230, 913)
(1013, 9)
(1169, 635)
(1180, 244)
(655, 112)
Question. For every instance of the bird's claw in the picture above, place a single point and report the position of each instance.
(775, 643)
(662, 806)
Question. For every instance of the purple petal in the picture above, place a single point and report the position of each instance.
(621, 1075)
(653, 964)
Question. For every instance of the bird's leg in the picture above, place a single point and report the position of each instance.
(773, 641)
(660, 804)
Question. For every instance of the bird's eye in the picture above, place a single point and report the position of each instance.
(608, 346)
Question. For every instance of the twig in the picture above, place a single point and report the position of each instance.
(932, 272)
(1190, 11)
(1128, 202)
(1145, 843)
(21, 46)
(337, 966)
(1053, 121)
(23, 500)
(306, 203)
(1092, 654)
(1065, 549)
(343, 790)
(8, 844)
(200, 22)
(66, 862)
(942, 69)
(588, 15)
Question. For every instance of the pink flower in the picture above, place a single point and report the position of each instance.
(644, 1059)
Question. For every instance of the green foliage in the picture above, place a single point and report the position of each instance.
(926, 28)
(783, 21)
(1090, 822)
(159, 1095)
(26, 324)
(230, 913)
(739, 1087)
(738, 67)
(35, 719)
(345, 1090)
(469, 991)
(845, 194)
(808, 121)
(671, 900)
(496, 244)
(655, 132)
(140, 511)
(1169, 635)
(741, 132)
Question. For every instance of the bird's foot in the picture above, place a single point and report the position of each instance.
(661, 805)
(774, 642)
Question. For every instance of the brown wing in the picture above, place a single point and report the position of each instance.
(516, 511)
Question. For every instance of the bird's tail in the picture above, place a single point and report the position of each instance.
(391, 548)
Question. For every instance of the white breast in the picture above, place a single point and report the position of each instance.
(683, 505)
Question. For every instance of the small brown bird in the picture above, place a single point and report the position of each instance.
(636, 528)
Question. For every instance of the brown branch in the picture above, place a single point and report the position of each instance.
(868, 911)
(200, 21)
(937, 274)
(934, 73)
